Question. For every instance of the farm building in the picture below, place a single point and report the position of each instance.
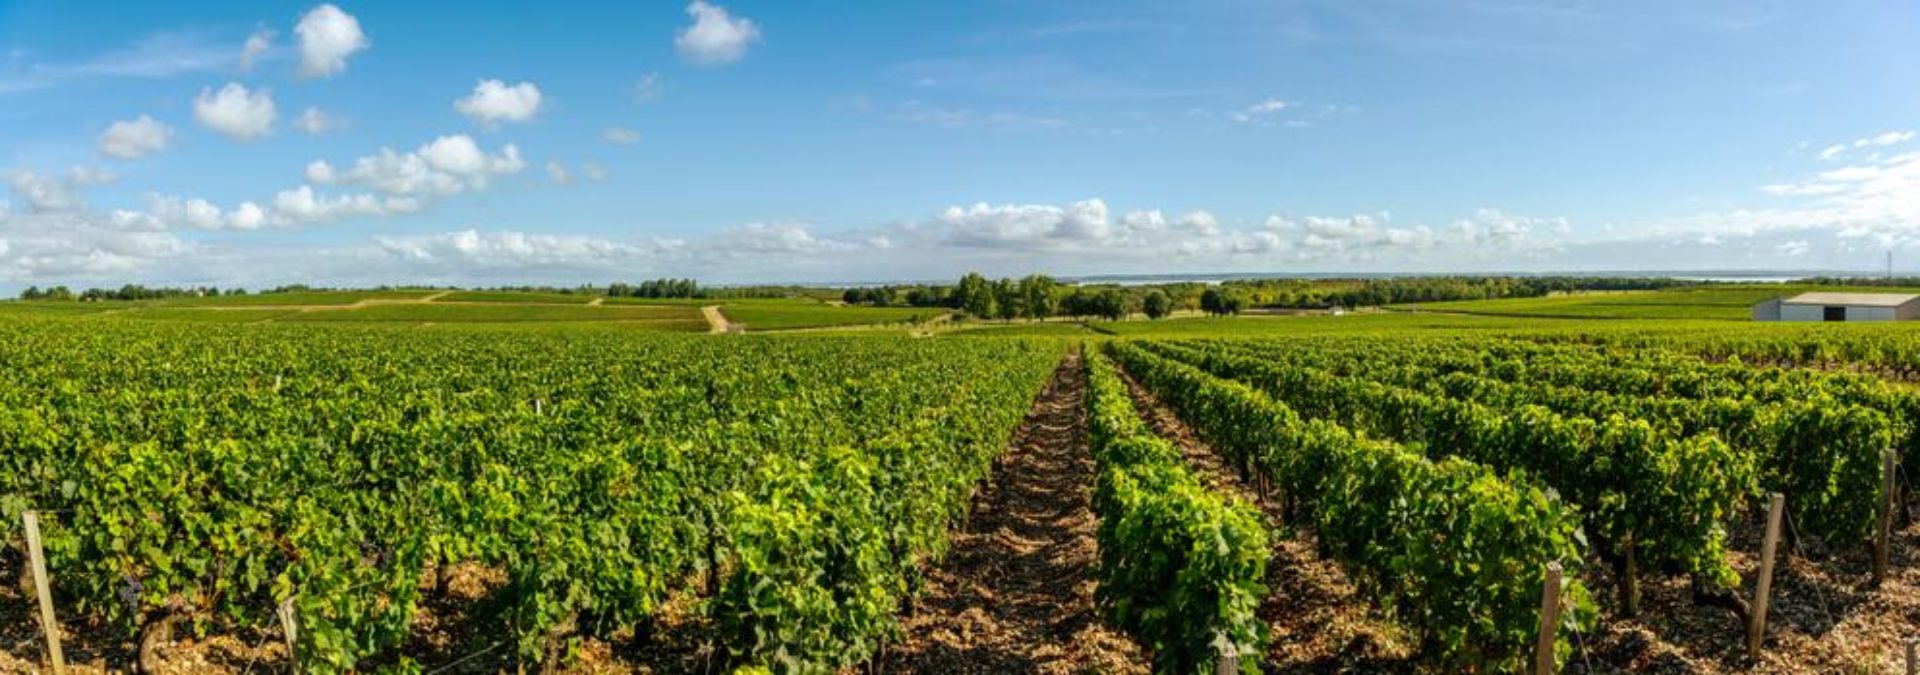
(1840, 307)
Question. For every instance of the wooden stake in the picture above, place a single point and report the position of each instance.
(1913, 657)
(37, 561)
(1549, 620)
(290, 625)
(1229, 663)
(1883, 541)
(1757, 623)
(1629, 579)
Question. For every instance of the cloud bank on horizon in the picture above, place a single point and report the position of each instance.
(745, 141)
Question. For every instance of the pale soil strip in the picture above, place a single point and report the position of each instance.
(716, 322)
(1015, 594)
(596, 302)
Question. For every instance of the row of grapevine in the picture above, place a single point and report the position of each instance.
(1664, 495)
(1808, 435)
(796, 485)
(1451, 548)
(1181, 567)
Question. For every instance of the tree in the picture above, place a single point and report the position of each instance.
(1222, 302)
(1111, 304)
(1006, 300)
(974, 295)
(1157, 305)
(1036, 296)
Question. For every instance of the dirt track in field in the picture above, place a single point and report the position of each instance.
(1016, 592)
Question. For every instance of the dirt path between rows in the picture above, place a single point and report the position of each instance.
(1317, 621)
(716, 322)
(1016, 592)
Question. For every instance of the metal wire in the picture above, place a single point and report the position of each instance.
(466, 658)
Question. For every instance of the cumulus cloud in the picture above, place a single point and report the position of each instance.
(1025, 225)
(493, 102)
(235, 111)
(444, 166)
(327, 37)
(593, 171)
(647, 88)
(715, 38)
(314, 121)
(77, 244)
(559, 173)
(256, 46)
(135, 138)
(56, 193)
(511, 249)
(621, 135)
(1885, 138)
(303, 204)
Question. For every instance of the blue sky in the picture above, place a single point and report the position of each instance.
(760, 141)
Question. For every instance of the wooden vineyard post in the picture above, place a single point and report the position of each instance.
(290, 623)
(1913, 656)
(1549, 620)
(1229, 662)
(1883, 538)
(1757, 623)
(37, 561)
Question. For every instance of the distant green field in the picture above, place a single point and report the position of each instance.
(297, 298)
(790, 315)
(1724, 303)
(671, 318)
(518, 296)
(203, 315)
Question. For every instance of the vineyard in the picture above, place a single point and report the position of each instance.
(348, 496)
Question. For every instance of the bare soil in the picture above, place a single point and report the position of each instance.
(1015, 593)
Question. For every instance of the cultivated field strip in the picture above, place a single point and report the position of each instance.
(791, 486)
(1819, 436)
(1451, 548)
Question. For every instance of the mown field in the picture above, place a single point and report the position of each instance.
(563, 486)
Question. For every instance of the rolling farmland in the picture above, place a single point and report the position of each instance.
(426, 482)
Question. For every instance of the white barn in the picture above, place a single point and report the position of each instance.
(1840, 307)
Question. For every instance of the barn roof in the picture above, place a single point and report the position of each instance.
(1854, 299)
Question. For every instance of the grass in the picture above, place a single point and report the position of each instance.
(518, 296)
(672, 318)
(204, 315)
(294, 298)
(791, 315)
(1732, 302)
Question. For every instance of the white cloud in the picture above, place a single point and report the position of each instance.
(76, 244)
(1201, 222)
(715, 38)
(774, 238)
(235, 111)
(1833, 152)
(493, 102)
(1024, 225)
(49, 193)
(135, 138)
(319, 171)
(327, 37)
(257, 45)
(558, 173)
(513, 250)
(1259, 110)
(303, 204)
(1886, 138)
(621, 135)
(247, 216)
(593, 171)
(447, 165)
(314, 121)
